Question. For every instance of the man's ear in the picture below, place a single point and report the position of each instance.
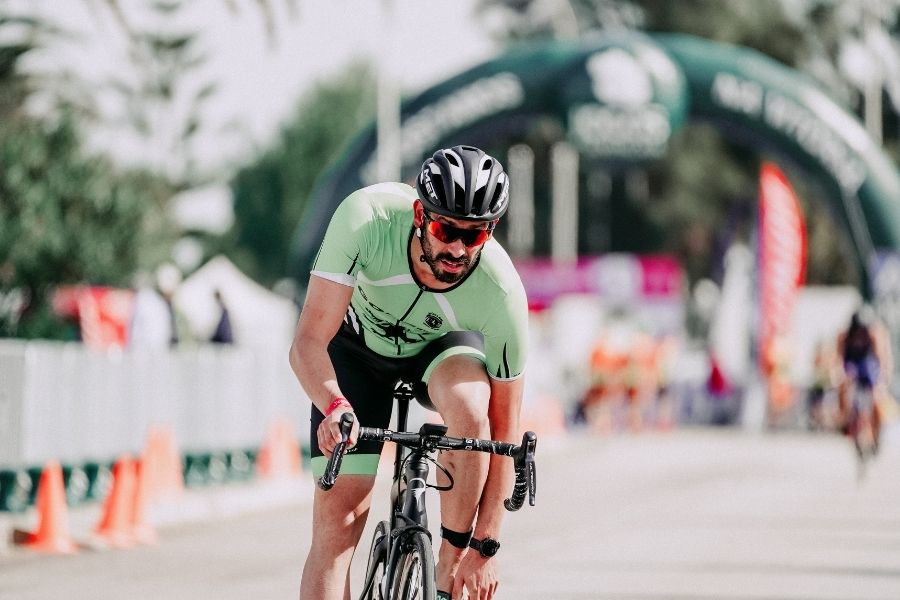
(418, 213)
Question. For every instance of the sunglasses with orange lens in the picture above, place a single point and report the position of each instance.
(447, 234)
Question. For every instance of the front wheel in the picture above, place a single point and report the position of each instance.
(376, 567)
(415, 570)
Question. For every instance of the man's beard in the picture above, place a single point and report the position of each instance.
(433, 262)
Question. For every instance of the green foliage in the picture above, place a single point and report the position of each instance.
(271, 194)
(68, 218)
(166, 95)
(760, 24)
(21, 35)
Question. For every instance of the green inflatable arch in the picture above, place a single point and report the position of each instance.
(671, 79)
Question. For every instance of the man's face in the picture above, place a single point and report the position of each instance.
(451, 246)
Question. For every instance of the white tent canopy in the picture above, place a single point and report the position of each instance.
(259, 317)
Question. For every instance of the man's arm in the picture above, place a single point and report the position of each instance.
(323, 311)
(476, 572)
(503, 414)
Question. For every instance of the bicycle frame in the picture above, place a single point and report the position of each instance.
(408, 509)
(409, 518)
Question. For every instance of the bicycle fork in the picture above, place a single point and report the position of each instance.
(409, 513)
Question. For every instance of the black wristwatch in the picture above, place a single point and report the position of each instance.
(487, 547)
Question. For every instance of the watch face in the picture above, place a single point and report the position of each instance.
(489, 547)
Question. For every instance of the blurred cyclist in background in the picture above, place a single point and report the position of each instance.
(865, 353)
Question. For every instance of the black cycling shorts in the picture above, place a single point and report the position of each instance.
(368, 380)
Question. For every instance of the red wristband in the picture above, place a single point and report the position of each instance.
(339, 401)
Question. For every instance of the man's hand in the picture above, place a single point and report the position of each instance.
(329, 431)
(477, 575)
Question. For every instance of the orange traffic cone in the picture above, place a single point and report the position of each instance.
(115, 527)
(161, 471)
(141, 531)
(173, 470)
(151, 465)
(291, 450)
(52, 534)
(279, 456)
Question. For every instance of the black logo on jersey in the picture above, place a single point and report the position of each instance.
(396, 332)
(433, 321)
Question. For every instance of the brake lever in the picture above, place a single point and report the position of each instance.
(529, 443)
(333, 468)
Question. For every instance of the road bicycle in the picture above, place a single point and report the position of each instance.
(401, 558)
(862, 426)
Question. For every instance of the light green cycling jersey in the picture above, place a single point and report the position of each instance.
(367, 246)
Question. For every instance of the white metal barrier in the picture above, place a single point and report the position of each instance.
(63, 401)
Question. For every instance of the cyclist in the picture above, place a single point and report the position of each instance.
(866, 358)
(409, 284)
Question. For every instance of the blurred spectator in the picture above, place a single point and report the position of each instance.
(605, 389)
(776, 370)
(820, 412)
(664, 356)
(627, 374)
(640, 378)
(168, 278)
(223, 333)
(721, 393)
(151, 323)
(717, 385)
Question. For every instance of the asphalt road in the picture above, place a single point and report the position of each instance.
(701, 514)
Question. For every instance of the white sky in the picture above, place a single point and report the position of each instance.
(260, 83)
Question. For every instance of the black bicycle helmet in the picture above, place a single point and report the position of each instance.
(463, 182)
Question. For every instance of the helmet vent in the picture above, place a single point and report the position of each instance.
(478, 198)
(460, 195)
(452, 159)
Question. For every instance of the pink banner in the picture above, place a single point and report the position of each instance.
(782, 251)
(623, 277)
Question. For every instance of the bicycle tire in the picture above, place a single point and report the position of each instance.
(415, 570)
(861, 428)
(376, 565)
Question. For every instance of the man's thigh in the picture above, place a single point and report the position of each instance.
(459, 386)
(455, 357)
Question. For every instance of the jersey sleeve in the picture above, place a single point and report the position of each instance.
(344, 249)
(506, 337)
